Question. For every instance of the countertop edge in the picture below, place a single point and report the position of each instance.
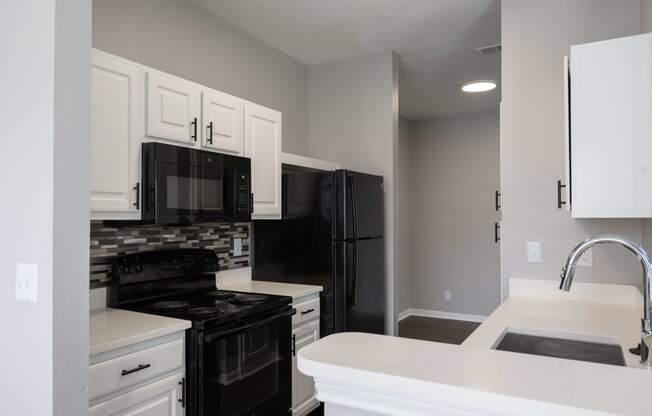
(165, 326)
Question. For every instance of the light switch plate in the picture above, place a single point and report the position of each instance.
(26, 283)
(534, 252)
(237, 247)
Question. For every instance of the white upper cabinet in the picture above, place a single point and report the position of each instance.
(173, 108)
(263, 133)
(117, 131)
(610, 140)
(222, 116)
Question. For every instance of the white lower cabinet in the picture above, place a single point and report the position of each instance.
(143, 379)
(160, 398)
(304, 332)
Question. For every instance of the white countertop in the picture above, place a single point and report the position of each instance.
(410, 377)
(116, 328)
(271, 288)
(586, 321)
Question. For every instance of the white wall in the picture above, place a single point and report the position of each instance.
(44, 169)
(454, 172)
(535, 37)
(353, 119)
(180, 38)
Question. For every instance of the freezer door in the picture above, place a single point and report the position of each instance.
(298, 248)
(358, 205)
(360, 286)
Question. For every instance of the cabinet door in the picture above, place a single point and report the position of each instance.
(157, 399)
(117, 130)
(173, 108)
(222, 122)
(611, 129)
(263, 141)
(303, 387)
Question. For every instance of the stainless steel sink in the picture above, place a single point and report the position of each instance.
(562, 348)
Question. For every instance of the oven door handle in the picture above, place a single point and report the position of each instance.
(212, 336)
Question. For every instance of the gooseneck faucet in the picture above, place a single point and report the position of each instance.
(568, 272)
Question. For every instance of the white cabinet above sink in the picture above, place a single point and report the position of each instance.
(609, 136)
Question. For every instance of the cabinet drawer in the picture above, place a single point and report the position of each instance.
(118, 373)
(306, 311)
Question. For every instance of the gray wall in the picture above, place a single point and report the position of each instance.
(72, 168)
(646, 16)
(454, 171)
(44, 170)
(404, 196)
(353, 119)
(535, 37)
(646, 26)
(182, 39)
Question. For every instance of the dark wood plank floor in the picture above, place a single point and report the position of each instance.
(436, 329)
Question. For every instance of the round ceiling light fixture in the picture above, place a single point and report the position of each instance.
(483, 85)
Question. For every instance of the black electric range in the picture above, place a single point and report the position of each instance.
(239, 348)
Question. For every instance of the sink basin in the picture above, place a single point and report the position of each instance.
(562, 348)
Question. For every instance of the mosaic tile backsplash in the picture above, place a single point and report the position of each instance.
(108, 242)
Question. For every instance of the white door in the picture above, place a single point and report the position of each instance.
(222, 122)
(117, 131)
(161, 398)
(173, 108)
(263, 141)
(303, 387)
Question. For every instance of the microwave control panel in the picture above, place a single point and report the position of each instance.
(243, 199)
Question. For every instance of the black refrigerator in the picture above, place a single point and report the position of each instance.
(330, 234)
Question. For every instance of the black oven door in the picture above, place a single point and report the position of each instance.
(246, 370)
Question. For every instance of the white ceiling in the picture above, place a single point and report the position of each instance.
(434, 39)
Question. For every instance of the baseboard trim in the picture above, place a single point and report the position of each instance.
(440, 314)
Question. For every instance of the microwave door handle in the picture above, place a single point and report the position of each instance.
(212, 336)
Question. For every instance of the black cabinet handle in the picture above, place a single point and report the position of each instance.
(210, 133)
(294, 345)
(497, 196)
(137, 189)
(559, 188)
(496, 229)
(307, 311)
(182, 400)
(133, 370)
(194, 128)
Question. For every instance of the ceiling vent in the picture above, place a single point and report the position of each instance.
(489, 49)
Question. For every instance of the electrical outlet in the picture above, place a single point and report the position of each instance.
(534, 252)
(237, 246)
(586, 260)
(448, 295)
(26, 283)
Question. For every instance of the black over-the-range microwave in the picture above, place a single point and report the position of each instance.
(184, 186)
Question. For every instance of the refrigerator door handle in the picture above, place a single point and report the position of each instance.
(354, 274)
(354, 206)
